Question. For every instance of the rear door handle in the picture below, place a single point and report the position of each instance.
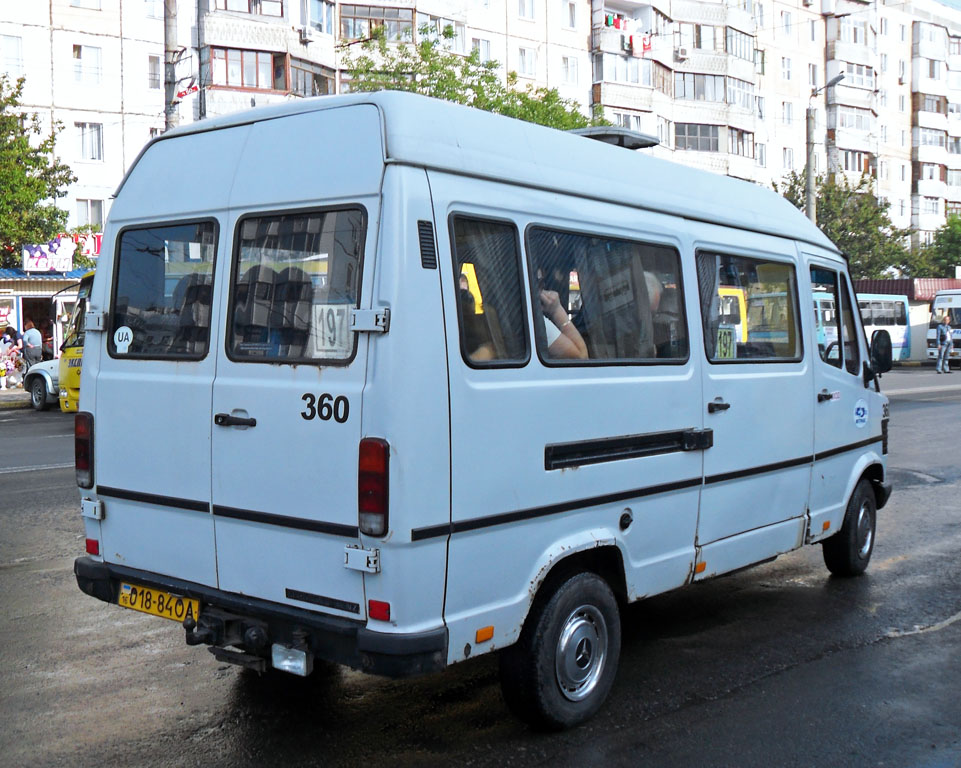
(226, 420)
(824, 396)
(717, 405)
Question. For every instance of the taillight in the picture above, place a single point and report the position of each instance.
(83, 448)
(93, 547)
(372, 486)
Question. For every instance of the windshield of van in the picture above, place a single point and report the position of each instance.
(75, 329)
(954, 313)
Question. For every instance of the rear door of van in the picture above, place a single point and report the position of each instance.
(286, 415)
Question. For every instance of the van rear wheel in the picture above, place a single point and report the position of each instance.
(560, 671)
(848, 551)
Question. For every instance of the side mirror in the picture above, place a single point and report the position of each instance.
(881, 354)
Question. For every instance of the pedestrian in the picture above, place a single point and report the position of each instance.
(945, 344)
(11, 344)
(32, 344)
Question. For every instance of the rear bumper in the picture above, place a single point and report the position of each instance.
(331, 638)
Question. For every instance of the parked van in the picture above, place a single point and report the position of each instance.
(945, 303)
(302, 435)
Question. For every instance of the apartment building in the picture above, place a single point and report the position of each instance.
(725, 86)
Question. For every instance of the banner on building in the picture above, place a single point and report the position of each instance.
(57, 254)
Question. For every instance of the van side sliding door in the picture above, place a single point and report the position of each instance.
(757, 399)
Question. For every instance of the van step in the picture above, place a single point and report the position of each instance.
(256, 663)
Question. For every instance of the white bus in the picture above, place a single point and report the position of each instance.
(945, 303)
(890, 313)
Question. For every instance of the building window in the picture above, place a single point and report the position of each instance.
(931, 205)
(702, 138)
(569, 67)
(954, 178)
(614, 68)
(904, 33)
(954, 145)
(884, 134)
(154, 72)
(11, 55)
(854, 30)
(759, 15)
(930, 172)
(760, 154)
(86, 64)
(787, 159)
(740, 142)
(91, 140)
(787, 112)
(813, 75)
(901, 103)
(435, 27)
(884, 27)
(882, 97)
(93, 5)
(855, 161)
(155, 132)
(814, 30)
(855, 118)
(785, 23)
(929, 137)
(740, 93)
(483, 48)
(739, 44)
(954, 45)
(627, 120)
(785, 68)
(688, 85)
(858, 75)
(309, 79)
(525, 9)
(322, 16)
(90, 213)
(884, 62)
(934, 69)
(761, 108)
(263, 7)
(569, 10)
(242, 69)
(526, 62)
(701, 36)
(932, 104)
(358, 22)
(664, 131)
(154, 9)
(953, 209)
(240, 6)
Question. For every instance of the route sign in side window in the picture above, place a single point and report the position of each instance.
(770, 293)
(824, 284)
(162, 292)
(296, 278)
(490, 295)
(605, 300)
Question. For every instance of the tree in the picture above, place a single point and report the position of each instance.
(431, 68)
(944, 253)
(857, 222)
(31, 177)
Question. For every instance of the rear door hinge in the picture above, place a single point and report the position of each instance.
(370, 320)
(95, 321)
(92, 509)
(358, 559)
(697, 439)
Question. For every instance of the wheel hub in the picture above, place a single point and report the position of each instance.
(865, 531)
(581, 652)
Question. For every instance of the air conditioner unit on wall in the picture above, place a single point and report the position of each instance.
(682, 54)
(306, 35)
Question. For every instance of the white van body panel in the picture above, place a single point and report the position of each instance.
(480, 513)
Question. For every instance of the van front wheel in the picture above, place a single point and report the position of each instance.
(560, 671)
(848, 551)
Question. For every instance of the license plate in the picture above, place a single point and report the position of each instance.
(157, 602)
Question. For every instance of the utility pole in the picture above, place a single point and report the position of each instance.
(810, 200)
(171, 56)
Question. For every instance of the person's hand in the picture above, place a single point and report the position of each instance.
(551, 306)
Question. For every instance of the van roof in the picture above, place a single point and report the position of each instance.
(441, 135)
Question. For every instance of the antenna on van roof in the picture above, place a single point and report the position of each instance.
(619, 137)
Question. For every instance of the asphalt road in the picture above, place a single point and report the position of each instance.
(780, 665)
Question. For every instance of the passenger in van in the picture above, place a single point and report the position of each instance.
(564, 341)
(477, 342)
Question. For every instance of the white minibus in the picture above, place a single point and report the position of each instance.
(402, 383)
(945, 304)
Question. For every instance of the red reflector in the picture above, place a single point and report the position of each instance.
(377, 609)
(93, 547)
(372, 486)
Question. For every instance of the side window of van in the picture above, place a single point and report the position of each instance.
(771, 322)
(605, 300)
(295, 280)
(491, 309)
(162, 293)
(824, 285)
(849, 334)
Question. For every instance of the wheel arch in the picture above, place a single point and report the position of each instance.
(28, 379)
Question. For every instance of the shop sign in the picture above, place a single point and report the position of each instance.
(57, 254)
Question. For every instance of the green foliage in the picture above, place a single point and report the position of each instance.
(430, 68)
(856, 222)
(944, 253)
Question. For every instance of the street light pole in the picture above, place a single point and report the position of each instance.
(810, 201)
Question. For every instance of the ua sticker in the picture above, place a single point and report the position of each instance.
(122, 338)
(860, 414)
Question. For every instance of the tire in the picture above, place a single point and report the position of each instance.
(38, 394)
(848, 552)
(560, 671)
